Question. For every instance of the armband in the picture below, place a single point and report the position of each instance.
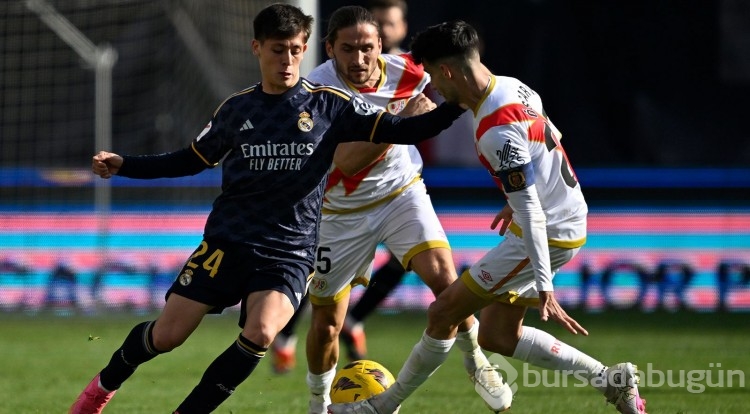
(517, 178)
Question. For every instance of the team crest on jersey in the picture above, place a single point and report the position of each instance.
(305, 123)
(517, 180)
(395, 107)
(318, 284)
(186, 277)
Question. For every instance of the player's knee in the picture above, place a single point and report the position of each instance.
(261, 335)
(323, 334)
(326, 330)
(166, 342)
(440, 320)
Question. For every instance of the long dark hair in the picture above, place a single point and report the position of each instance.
(348, 16)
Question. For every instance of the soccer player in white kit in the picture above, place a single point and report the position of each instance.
(545, 217)
(375, 194)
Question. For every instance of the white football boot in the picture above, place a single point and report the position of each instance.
(359, 407)
(318, 404)
(495, 392)
(622, 389)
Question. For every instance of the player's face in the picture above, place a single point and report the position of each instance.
(392, 27)
(441, 81)
(355, 53)
(279, 62)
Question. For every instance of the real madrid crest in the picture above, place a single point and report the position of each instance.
(186, 277)
(305, 123)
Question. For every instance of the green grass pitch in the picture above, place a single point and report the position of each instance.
(47, 360)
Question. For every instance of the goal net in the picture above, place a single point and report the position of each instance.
(175, 61)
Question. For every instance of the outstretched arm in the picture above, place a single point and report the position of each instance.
(172, 164)
(353, 157)
(400, 130)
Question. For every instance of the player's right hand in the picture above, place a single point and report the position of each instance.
(549, 308)
(417, 105)
(106, 164)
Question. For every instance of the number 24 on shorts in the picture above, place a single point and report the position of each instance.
(211, 264)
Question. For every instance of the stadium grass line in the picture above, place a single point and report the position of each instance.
(47, 360)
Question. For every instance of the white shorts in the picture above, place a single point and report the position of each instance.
(504, 274)
(406, 225)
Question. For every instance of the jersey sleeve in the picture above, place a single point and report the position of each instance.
(505, 150)
(179, 163)
(211, 144)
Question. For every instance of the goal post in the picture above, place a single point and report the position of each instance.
(102, 58)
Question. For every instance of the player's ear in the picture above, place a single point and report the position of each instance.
(256, 47)
(329, 49)
(446, 71)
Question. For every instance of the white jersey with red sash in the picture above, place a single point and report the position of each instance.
(401, 165)
(520, 147)
(512, 130)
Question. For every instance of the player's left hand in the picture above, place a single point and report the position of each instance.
(549, 308)
(505, 216)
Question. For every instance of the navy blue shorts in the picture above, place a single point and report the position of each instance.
(222, 274)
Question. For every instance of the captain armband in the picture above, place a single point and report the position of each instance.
(517, 178)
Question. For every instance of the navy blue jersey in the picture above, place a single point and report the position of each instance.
(275, 152)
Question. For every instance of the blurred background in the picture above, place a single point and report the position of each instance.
(650, 97)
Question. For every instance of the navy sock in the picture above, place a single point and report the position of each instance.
(223, 376)
(137, 348)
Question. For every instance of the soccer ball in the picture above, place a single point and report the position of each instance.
(360, 380)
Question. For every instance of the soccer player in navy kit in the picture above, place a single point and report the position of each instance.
(276, 141)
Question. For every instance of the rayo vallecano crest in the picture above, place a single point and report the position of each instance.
(395, 107)
(305, 123)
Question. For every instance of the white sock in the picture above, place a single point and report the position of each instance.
(542, 349)
(473, 355)
(425, 358)
(320, 385)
